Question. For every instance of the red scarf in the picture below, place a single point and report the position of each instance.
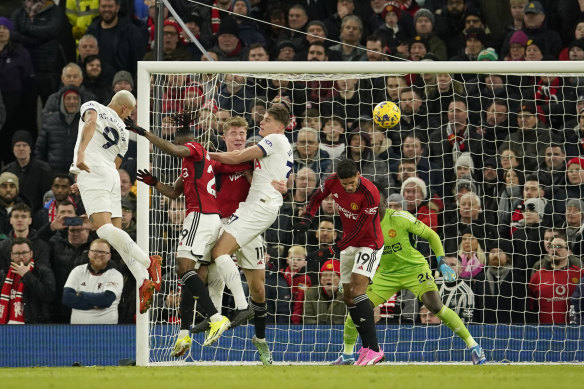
(215, 18)
(11, 306)
(544, 94)
(456, 140)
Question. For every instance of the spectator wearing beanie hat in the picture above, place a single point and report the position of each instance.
(123, 80)
(488, 54)
(58, 134)
(574, 224)
(517, 45)
(576, 50)
(418, 48)
(248, 30)
(527, 238)
(323, 304)
(535, 27)
(424, 26)
(475, 39)
(35, 176)
(173, 46)
(415, 192)
(228, 45)
(396, 29)
(9, 196)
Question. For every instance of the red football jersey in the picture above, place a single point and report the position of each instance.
(199, 180)
(233, 186)
(551, 290)
(358, 211)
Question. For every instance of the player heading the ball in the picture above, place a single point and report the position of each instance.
(102, 142)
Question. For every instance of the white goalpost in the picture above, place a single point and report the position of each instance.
(216, 90)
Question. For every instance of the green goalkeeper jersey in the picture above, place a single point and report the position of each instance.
(399, 252)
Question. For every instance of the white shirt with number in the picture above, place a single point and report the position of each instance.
(110, 138)
(82, 280)
(276, 164)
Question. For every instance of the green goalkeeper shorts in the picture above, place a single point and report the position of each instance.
(385, 285)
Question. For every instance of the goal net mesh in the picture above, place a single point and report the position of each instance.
(513, 141)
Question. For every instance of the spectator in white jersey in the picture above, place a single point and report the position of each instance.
(93, 291)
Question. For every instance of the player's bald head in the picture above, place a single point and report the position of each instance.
(124, 97)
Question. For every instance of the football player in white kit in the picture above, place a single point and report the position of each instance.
(273, 161)
(102, 142)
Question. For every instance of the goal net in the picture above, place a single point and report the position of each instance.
(486, 154)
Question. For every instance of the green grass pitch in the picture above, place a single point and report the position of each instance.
(297, 377)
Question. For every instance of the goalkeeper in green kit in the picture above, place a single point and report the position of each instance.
(404, 267)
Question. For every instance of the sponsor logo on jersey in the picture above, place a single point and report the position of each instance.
(370, 211)
(99, 284)
(348, 214)
(354, 207)
(391, 233)
(268, 142)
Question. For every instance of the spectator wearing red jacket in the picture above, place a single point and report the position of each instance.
(297, 279)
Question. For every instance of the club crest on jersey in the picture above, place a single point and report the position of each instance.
(391, 233)
(354, 207)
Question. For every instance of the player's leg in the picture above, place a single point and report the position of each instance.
(256, 279)
(215, 285)
(221, 254)
(378, 292)
(183, 342)
(187, 264)
(364, 267)
(431, 299)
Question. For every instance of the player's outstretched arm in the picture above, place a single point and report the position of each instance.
(166, 190)
(164, 145)
(236, 157)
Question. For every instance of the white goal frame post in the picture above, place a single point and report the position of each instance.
(365, 69)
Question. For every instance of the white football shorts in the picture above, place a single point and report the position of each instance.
(198, 236)
(359, 260)
(250, 220)
(101, 191)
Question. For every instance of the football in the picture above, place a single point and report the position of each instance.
(386, 114)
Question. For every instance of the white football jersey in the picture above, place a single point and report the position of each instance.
(82, 280)
(277, 164)
(109, 140)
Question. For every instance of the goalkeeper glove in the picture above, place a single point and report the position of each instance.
(146, 177)
(446, 271)
(302, 225)
(131, 126)
(324, 255)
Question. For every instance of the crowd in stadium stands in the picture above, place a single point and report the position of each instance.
(494, 163)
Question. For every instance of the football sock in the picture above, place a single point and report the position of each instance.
(230, 275)
(453, 321)
(355, 317)
(364, 307)
(260, 311)
(187, 308)
(350, 335)
(136, 259)
(215, 285)
(193, 282)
